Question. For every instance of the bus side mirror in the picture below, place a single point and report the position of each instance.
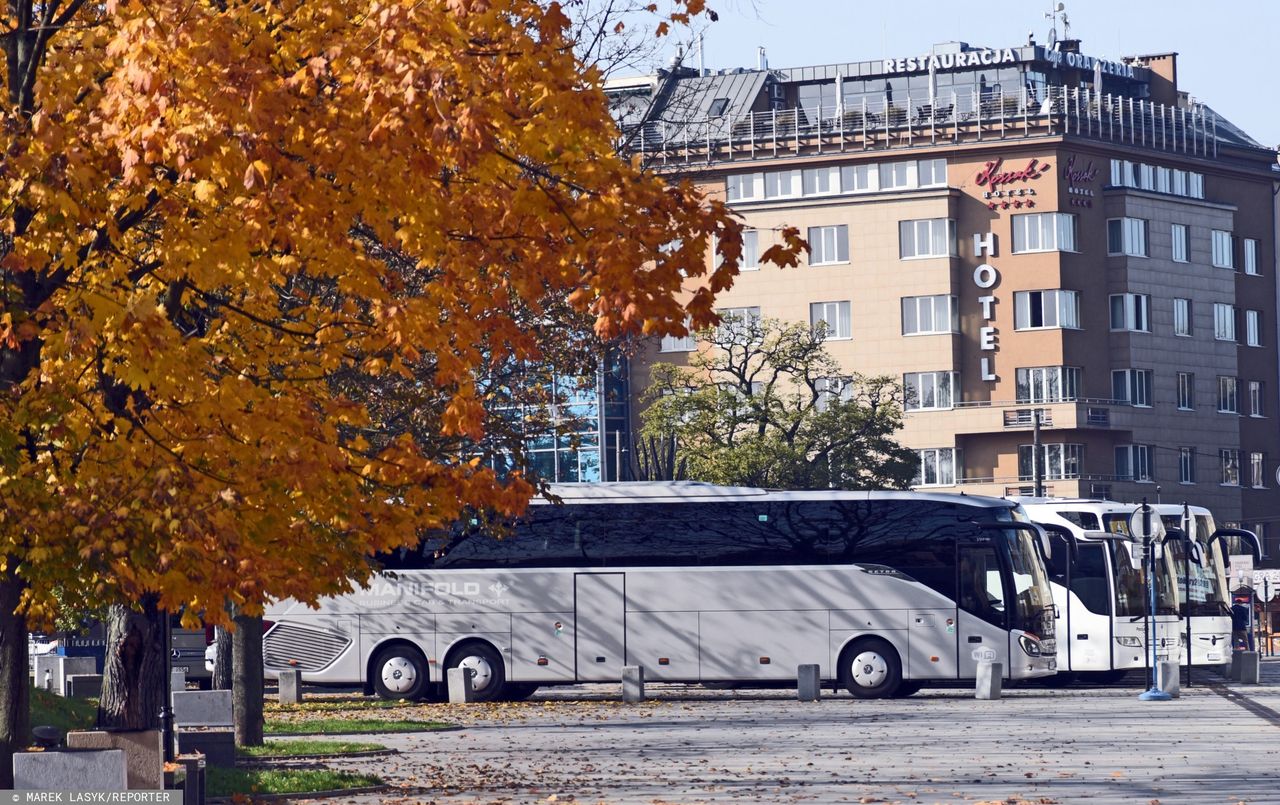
(1249, 536)
(1067, 535)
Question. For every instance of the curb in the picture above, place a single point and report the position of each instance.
(250, 761)
(335, 792)
(452, 728)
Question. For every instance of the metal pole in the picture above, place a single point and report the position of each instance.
(1151, 589)
(1037, 473)
(166, 708)
(1188, 541)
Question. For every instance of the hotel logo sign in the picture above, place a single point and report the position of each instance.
(1079, 178)
(986, 277)
(994, 177)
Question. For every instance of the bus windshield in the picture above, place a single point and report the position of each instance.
(1131, 575)
(1205, 590)
(1034, 608)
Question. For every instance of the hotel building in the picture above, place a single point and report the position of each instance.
(1008, 231)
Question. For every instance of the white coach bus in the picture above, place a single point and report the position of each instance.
(696, 583)
(1101, 596)
(1100, 592)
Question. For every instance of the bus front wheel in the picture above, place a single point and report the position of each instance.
(870, 669)
(400, 672)
(489, 677)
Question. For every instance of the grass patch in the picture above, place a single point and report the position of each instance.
(350, 726)
(222, 782)
(64, 713)
(323, 705)
(292, 748)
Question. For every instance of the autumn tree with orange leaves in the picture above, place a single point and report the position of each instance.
(194, 202)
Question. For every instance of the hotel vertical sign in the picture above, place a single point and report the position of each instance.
(986, 277)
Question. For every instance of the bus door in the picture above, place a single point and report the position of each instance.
(600, 633)
(982, 608)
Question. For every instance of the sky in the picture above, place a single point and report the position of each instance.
(1227, 49)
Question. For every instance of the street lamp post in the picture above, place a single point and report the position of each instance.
(1150, 541)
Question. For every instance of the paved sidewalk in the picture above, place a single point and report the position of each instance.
(691, 745)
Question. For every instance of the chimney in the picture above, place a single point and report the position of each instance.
(762, 61)
(702, 65)
(1164, 76)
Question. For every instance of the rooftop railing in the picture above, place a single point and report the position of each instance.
(953, 117)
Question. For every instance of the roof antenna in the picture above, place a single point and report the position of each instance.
(762, 61)
(702, 66)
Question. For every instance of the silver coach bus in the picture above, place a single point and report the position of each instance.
(696, 583)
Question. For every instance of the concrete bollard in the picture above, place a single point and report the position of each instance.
(808, 683)
(1168, 678)
(459, 681)
(289, 687)
(632, 683)
(989, 680)
(177, 681)
(1234, 674)
(1250, 667)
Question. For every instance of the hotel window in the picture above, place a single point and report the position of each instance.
(1230, 461)
(1186, 465)
(937, 467)
(1037, 310)
(897, 175)
(1046, 384)
(1181, 241)
(1253, 328)
(932, 172)
(744, 186)
(750, 260)
(1257, 461)
(1117, 173)
(1127, 236)
(680, 343)
(1250, 256)
(1222, 256)
(1044, 232)
(736, 322)
(833, 317)
(859, 178)
(1186, 391)
(930, 391)
(1132, 386)
(1131, 312)
(925, 315)
(932, 237)
(1228, 395)
(1057, 461)
(1182, 317)
(1224, 322)
(830, 244)
(1164, 180)
(781, 184)
(1147, 177)
(832, 389)
(1179, 182)
(1255, 398)
(1196, 183)
(1133, 462)
(821, 181)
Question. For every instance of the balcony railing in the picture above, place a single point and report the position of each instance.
(964, 116)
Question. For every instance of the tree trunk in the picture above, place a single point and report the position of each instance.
(246, 673)
(221, 658)
(133, 680)
(15, 690)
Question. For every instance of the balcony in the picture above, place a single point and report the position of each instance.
(969, 116)
(1002, 417)
(1082, 486)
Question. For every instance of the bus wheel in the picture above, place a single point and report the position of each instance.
(400, 672)
(490, 677)
(518, 691)
(870, 669)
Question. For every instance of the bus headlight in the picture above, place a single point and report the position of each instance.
(1030, 645)
(1131, 642)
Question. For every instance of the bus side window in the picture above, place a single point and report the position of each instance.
(1089, 578)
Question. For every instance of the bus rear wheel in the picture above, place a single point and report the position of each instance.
(909, 687)
(870, 669)
(489, 680)
(400, 672)
(518, 691)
